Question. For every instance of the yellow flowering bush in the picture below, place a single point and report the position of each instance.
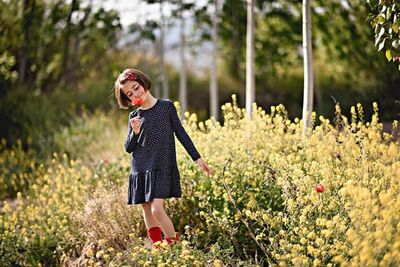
(38, 228)
(262, 198)
(92, 137)
(261, 205)
(17, 167)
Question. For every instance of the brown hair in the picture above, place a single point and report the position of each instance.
(140, 77)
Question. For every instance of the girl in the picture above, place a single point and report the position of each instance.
(154, 172)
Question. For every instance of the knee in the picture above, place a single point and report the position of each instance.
(146, 207)
(157, 210)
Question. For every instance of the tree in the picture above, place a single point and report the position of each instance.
(250, 82)
(214, 106)
(178, 8)
(147, 32)
(77, 44)
(182, 70)
(41, 49)
(164, 74)
(384, 17)
(308, 66)
(232, 32)
(28, 11)
(67, 44)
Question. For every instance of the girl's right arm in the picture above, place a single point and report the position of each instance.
(132, 138)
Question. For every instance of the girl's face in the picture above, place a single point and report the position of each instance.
(132, 89)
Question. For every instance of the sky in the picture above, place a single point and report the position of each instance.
(136, 11)
(132, 11)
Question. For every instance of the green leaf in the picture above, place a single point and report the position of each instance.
(377, 28)
(389, 54)
(381, 19)
(373, 3)
(388, 13)
(381, 45)
(381, 33)
(396, 43)
(395, 27)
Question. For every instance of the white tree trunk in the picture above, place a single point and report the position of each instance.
(250, 82)
(308, 67)
(164, 75)
(214, 106)
(182, 72)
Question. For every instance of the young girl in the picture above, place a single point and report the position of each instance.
(154, 172)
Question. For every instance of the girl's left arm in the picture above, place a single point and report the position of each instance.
(204, 166)
(185, 140)
(181, 133)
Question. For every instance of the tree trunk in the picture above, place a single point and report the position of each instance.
(182, 74)
(164, 74)
(65, 64)
(29, 5)
(250, 81)
(214, 106)
(318, 98)
(237, 58)
(75, 57)
(308, 70)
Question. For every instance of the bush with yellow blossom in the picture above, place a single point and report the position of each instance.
(261, 206)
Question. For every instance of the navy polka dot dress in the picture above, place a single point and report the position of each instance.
(154, 170)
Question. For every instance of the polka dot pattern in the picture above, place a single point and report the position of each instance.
(154, 170)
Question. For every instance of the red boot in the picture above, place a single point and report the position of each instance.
(154, 234)
(172, 240)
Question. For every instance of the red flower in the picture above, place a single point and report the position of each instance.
(131, 76)
(319, 188)
(136, 101)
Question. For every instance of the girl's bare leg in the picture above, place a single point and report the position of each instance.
(157, 209)
(149, 219)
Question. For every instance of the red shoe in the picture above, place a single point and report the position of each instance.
(154, 234)
(171, 240)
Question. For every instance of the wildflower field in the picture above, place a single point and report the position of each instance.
(277, 197)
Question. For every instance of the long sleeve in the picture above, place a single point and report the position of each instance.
(181, 133)
(131, 139)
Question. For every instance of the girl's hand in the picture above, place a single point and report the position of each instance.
(204, 166)
(135, 122)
